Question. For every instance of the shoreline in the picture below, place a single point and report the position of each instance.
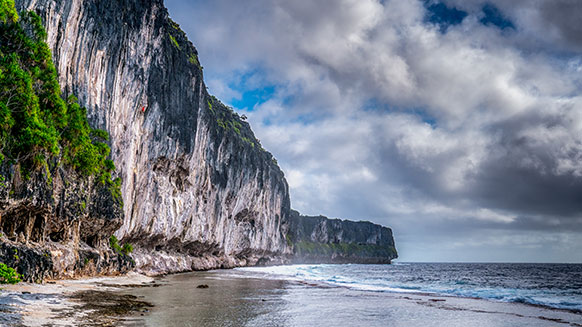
(73, 302)
(438, 295)
(136, 300)
(291, 275)
(296, 303)
(434, 298)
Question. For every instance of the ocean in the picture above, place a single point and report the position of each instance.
(402, 294)
(552, 285)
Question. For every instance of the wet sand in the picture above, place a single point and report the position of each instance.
(83, 302)
(237, 299)
(234, 298)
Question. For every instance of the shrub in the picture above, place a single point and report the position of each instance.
(174, 42)
(114, 244)
(8, 275)
(36, 123)
(127, 248)
(193, 59)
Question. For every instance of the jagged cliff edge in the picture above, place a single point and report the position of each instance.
(199, 190)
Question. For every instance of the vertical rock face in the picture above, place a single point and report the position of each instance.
(199, 190)
(323, 240)
(57, 225)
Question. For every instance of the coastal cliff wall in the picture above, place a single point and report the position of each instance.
(58, 226)
(318, 239)
(58, 203)
(199, 190)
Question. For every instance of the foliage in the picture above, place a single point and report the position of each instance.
(193, 59)
(127, 248)
(36, 123)
(174, 42)
(247, 140)
(115, 190)
(7, 11)
(86, 149)
(189, 50)
(346, 249)
(114, 244)
(226, 117)
(175, 25)
(228, 120)
(8, 275)
(210, 106)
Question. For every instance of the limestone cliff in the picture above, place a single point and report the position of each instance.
(323, 240)
(58, 226)
(58, 203)
(199, 191)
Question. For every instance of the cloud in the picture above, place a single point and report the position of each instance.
(378, 113)
(564, 17)
(544, 24)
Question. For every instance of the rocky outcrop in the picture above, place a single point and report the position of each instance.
(199, 190)
(56, 223)
(323, 240)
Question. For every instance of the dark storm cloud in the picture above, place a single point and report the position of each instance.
(523, 178)
(553, 25)
(467, 135)
(565, 16)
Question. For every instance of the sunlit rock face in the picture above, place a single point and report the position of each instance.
(199, 191)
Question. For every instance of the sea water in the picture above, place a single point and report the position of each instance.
(397, 295)
(552, 285)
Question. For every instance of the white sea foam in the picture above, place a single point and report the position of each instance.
(319, 274)
(505, 283)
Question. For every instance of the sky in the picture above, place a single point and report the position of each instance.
(457, 123)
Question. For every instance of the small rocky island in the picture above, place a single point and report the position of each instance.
(128, 145)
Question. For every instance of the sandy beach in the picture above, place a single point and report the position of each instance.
(81, 302)
(237, 298)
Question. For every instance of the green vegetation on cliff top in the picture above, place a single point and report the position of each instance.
(36, 123)
(229, 120)
(175, 36)
(345, 249)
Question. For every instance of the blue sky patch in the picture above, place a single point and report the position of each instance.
(252, 98)
(252, 87)
(493, 16)
(439, 14)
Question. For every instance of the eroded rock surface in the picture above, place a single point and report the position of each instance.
(57, 225)
(199, 190)
(318, 239)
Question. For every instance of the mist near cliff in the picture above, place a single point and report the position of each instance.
(456, 123)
